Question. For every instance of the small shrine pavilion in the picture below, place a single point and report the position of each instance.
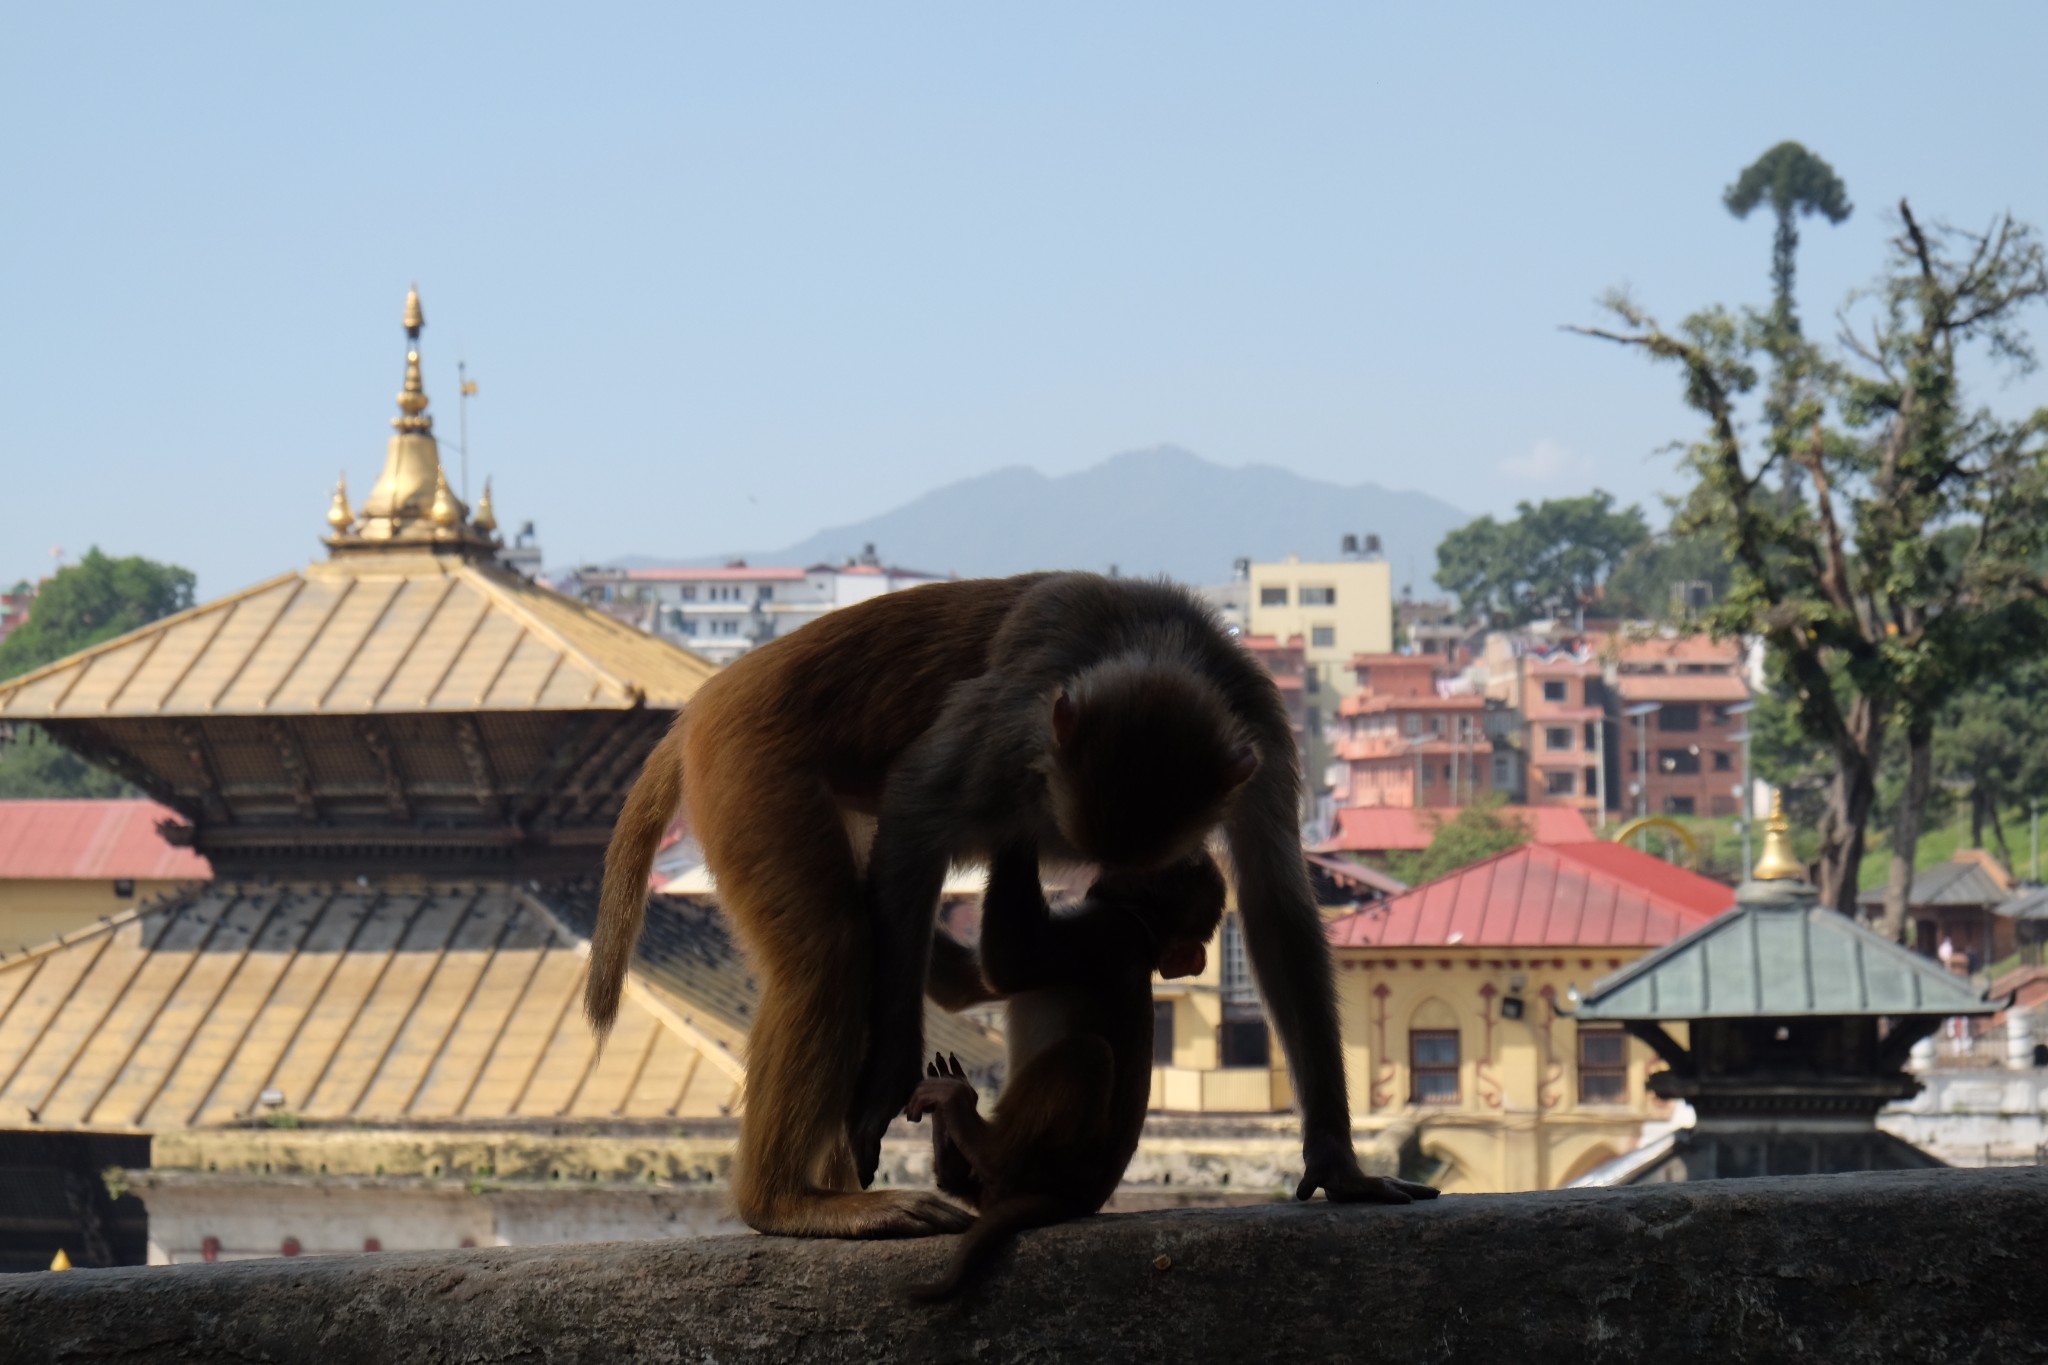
(1798, 1023)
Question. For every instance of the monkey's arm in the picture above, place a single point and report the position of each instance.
(1018, 952)
(1285, 938)
(954, 980)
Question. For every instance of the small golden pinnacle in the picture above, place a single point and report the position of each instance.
(1162, 1262)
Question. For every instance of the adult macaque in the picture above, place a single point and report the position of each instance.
(1078, 989)
(1111, 721)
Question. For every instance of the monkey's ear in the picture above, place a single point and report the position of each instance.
(1243, 763)
(1182, 957)
(1064, 717)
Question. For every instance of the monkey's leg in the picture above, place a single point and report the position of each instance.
(905, 874)
(798, 905)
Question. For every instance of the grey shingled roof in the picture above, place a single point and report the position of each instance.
(1778, 961)
(2030, 903)
(1952, 883)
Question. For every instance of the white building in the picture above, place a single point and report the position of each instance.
(722, 612)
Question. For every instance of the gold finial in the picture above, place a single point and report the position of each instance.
(1778, 862)
(414, 319)
(60, 1261)
(444, 511)
(486, 519)
(338, 514)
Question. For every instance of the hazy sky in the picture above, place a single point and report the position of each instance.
(728, 275)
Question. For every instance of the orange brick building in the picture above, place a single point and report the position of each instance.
(1401, 742)
(1694, 764)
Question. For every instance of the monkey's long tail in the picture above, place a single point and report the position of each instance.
(628, 863)
(997, 1224)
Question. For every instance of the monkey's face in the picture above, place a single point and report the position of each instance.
(1145, 761)
(1181, 905)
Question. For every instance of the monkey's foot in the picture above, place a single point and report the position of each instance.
(1336, 1173)
(881, 1213)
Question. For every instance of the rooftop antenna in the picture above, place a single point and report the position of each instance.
(466, 389)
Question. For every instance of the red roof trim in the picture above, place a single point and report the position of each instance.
(1584, 895)
(90, 840)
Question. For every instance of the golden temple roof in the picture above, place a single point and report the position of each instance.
(411, 612)
(443, 1004)
(388, 1005)
(361, 635)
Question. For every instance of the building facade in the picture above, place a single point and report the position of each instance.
(1403, 739)
(1682, 757)
(68, 864)
(1455, 1005)
(720, 613)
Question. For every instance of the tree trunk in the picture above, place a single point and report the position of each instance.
(1850, 798)
(1906, 828)
(1976, 816)
(1998, 833)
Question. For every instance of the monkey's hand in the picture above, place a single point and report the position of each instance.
(940, 1095)
(1334, 1170)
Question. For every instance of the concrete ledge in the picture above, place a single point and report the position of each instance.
(1922, 1266)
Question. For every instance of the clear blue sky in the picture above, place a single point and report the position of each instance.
(728, 274)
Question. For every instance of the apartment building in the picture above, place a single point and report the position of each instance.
(1672, 697)
(720, 613)
(1404, 738)
(1564, 729)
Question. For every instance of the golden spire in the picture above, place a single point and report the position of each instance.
(412, 399)
(414, 318)
(60, 1261)
(444, 512)
(1778, 862)
(338, 515)
(486, 519)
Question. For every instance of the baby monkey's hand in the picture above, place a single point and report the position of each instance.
(944, 1088)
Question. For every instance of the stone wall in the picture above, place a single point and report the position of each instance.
(1919, 1266)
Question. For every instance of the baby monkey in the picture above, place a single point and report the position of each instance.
(1078, 988)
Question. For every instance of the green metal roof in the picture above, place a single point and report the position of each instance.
(1778, 954)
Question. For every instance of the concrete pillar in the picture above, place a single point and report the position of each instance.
(2019, 1039)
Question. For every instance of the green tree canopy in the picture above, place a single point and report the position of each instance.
(94, 600)
(91, 601)
(1906, 569)
(1469, 835)
(1550, 560)
(1793, 181)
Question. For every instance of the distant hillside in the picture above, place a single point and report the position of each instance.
(1146, 512)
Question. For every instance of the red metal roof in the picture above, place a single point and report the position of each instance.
(1383, 829)
(1587, 895)
(90, 840)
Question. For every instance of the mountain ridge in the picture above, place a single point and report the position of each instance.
(1161, 509)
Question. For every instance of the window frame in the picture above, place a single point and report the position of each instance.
(1453, 1069)
(1605, 1071)
(1563, 693)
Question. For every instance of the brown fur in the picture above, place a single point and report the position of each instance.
(932, 709)
(1079, 992)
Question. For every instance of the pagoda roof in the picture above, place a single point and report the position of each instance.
(1781, 955)
(392, 632)
(388, 1005)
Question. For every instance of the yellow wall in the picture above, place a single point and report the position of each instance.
(1517, 1124)
(36, 911)
(1362, 616)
